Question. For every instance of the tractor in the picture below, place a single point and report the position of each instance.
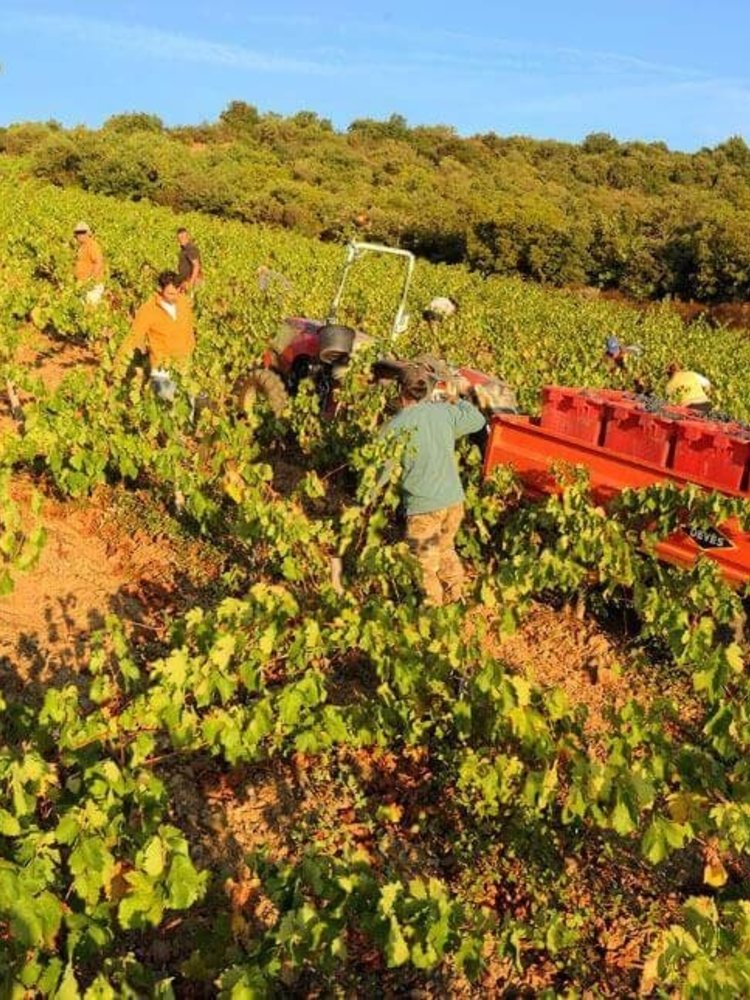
(321, 351)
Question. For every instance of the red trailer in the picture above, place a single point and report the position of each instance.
(622, 444)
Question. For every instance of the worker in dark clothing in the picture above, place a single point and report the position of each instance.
(431, 487)
(189, 267)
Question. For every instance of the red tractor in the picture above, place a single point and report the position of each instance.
(321, 351)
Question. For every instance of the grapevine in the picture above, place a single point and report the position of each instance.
(447, 797)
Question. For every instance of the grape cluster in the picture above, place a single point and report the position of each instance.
(654, 404)
(650, 403)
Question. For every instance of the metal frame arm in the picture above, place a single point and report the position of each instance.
(356, 250)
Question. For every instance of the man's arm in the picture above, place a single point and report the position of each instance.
(194, 257)
(467, 419)
(195, 263)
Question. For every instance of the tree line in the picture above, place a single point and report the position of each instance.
(633, 216)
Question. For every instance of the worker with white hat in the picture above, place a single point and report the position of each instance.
(89, 265)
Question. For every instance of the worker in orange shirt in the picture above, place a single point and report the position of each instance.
(89, 265)
(163, 330)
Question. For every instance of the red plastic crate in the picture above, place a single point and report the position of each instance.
(705, 452)
(577, 414)
(617, 396)
(634, 432)
(678, 412)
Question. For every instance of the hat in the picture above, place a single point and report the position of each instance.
(612, 346)
(82, 227)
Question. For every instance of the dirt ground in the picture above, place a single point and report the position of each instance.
(554, 648)
(47, 359)
(92, 564)
(51, 360)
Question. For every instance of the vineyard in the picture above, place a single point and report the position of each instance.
(226, 770)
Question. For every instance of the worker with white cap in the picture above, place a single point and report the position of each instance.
(440, 308)
(89, 266)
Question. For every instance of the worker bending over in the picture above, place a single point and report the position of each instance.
(616, 353)
(687, 388)
(163, 330)
(431, 487)
(439, 309)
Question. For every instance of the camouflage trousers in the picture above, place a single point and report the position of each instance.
(431, 539)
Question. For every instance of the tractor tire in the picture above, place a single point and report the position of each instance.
(261, 383)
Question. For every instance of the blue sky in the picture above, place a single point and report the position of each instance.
(677, 72)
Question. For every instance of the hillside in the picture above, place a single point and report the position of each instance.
(631, 216)
(225, 770)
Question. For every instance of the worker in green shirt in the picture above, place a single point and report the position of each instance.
(431, 487)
